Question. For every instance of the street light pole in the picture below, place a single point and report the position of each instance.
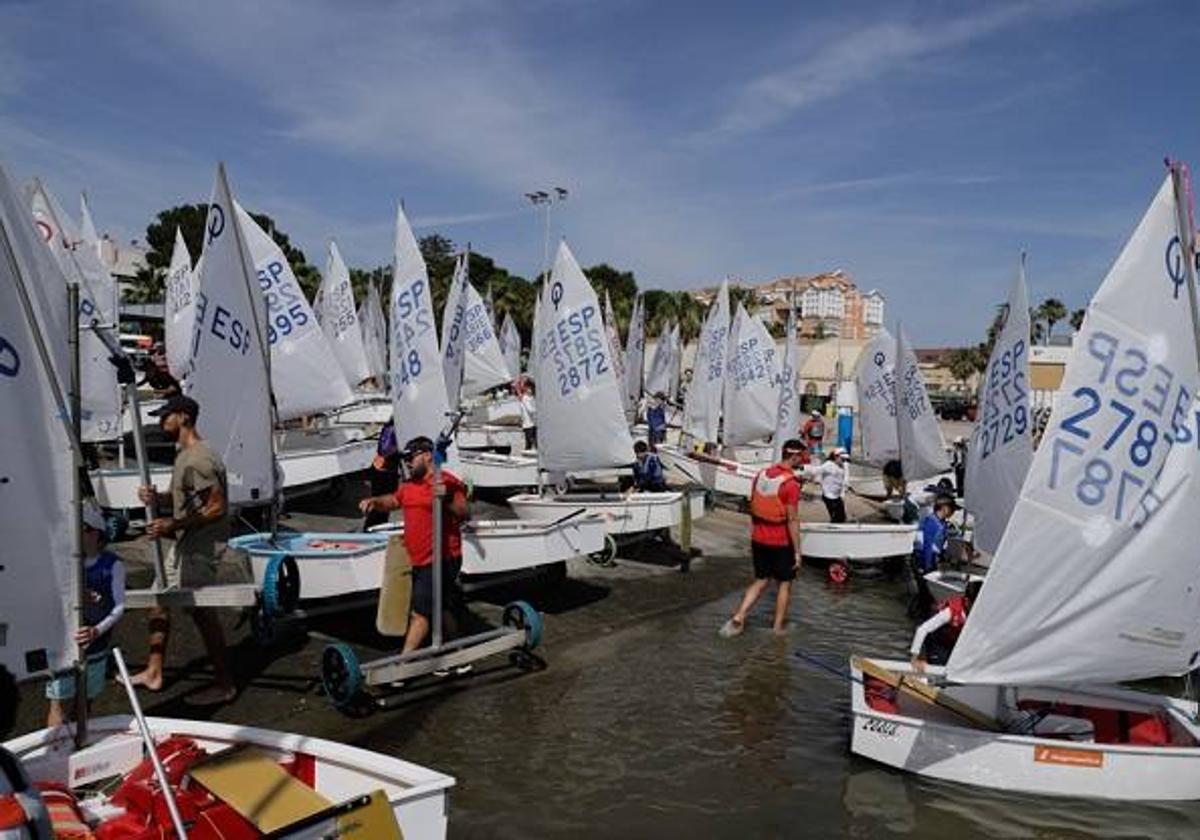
(546, 199)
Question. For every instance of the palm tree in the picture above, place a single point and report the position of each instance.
(689, 313)
(1077, 319)
(1052, 311)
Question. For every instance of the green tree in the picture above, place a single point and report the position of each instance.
(963, 363)
(1052, 311)
(190, 220)
(1077, 319)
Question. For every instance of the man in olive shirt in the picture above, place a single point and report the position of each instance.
(199, 525)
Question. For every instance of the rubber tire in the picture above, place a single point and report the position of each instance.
(341, 675)
(522, 616)
(607, 554)
(281, 586)
(838, 571)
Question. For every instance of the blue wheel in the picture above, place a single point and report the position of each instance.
(522, 616)
(281, 585)
(340, 675)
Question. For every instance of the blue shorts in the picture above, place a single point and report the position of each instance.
(63, 687)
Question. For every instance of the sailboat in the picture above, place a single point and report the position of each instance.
(581, 411)
(328, 785)
(300, 381)
(1001, 447)
(510, 345)
(897, 419)
(1106, 525)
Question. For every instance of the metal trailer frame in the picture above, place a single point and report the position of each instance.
(347, 682)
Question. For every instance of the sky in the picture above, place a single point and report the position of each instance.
(918, 146)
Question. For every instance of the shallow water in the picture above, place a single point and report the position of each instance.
(663, 729)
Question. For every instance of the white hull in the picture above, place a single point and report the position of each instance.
(490, 437)
(945, 583)
(673, 437)
(370, 411)
(333, 565)
(418, 796)
(855, 540)
(623, 514)
(117, 488)
(487, 469)
(717, 474)
(504, 412)
(931, 741)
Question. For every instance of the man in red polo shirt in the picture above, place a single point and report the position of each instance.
(774, 536)
(415, 498)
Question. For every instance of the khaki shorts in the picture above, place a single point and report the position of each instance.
(193, 569)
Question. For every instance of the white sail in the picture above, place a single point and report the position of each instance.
(300, 376)
(658, 378)
(228, 375)
(581, 417)
(1002, 442)
(78, 263)
(922, 448)
(676, 365)
(485, 366)
(613, 336)
(419, 402)
(339, 318)
(702, 414)
(87, 229)
(752, 382)
(787, 416)
(454, 337)
(36, 576)
(1106, 523)
(180, 308)
(510, 345)
(875, 381)
(635, 353)
(374, 333)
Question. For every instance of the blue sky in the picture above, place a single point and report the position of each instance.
(917, 145)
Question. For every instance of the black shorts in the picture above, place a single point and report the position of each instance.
(773, 561)
(422, 587)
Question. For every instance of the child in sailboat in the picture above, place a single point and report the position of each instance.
(103, 606)
(935, 638)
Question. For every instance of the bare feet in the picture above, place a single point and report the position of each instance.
(732, 627)
(214, 695)
(147, 680)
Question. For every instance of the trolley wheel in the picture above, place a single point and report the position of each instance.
(606, 555)
(281, 585)
(522, 616)
(340, 675)
(839, 571)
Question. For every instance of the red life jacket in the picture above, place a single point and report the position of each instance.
(958, 617)
(765, 503)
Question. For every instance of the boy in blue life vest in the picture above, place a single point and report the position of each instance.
(656, 419)
(930, 543)
(103, 606)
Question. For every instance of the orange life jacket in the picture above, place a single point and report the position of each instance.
(765, 503)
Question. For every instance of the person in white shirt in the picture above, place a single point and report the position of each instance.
(528, 411)
(942, 629)
(833, 475)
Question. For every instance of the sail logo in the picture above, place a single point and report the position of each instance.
(880, 358)
(10, 362)
(216, 223)
(556, 294)
(1175, 265)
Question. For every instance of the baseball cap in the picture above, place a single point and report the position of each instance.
(415, 446)
(178, 403)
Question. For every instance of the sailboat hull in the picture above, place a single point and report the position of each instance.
(336, 565)
(490, 436)
(487, 469)
(418, 796)
(934, 742)
(720, 475)
(504, 412)
(633, 514)
(856, 540)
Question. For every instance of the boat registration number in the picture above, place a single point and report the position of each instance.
(882, 727)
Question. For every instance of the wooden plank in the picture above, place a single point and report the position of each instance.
(255, 786)
(926, 693)
(218, 595)
(395, 591)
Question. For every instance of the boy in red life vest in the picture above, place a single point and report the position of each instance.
(942, 629)
(415, 497)
(813, 432)
(774, 536)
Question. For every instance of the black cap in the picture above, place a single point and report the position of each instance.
(178, 403)
(415, 446)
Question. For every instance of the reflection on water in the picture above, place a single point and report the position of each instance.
(666, 730)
